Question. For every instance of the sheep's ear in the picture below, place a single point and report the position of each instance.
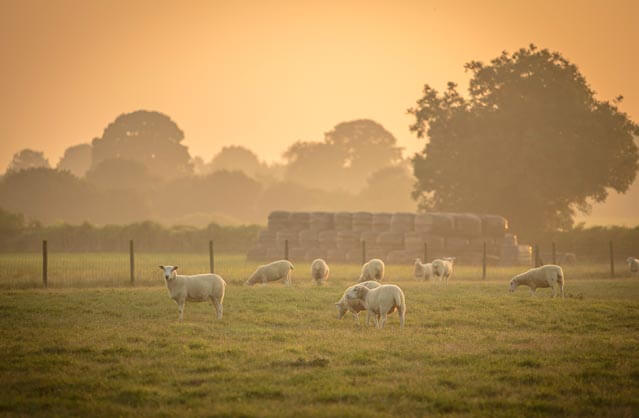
(175, 268)
(161, 267)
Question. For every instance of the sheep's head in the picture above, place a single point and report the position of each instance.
(629, 260)
(169, 271)
(341, 309)
(513, 285)
(359, 292)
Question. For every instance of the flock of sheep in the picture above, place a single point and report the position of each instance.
(368, 294)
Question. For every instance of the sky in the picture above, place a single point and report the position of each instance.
(264, 74)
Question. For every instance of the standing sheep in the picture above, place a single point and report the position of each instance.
(423, 270)
(443, 268)
(276, 270)
(372, 270)
(319, 271)
(349, 301)
(633, 264)
(381, 301)
(195, 288)
(544, 276)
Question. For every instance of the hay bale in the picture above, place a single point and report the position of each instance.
(296, 254)
(273, 253)
(333, 255)
(266, 237)
(322, 221)
(508, 240)
(382, 222)
(308, 238)
(347, 240)
(494, 225)
(402, 222)
(390, 238)
(442, 223)
(467, 225)
(299, 221)
(400, 257)
(327, 239)
(414, 241)
(343, 221)
(424, 222)
(313, 253)
(370, 237)
(256, 253)
(362, 221)
(283, 236)
(278, 220)
(456, 244)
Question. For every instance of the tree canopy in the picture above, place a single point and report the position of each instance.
(150, 138)
(28, 158)
(531, 142)
(76, 159)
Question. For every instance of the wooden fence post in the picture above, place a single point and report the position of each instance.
(554, 253)
(285, 249)
(132, 262)
(483, 264)
(425, 252)
(45, 264)
(537, 256)
(211, 257)
(363, 252)
(612, 261)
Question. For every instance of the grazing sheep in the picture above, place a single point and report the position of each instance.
(443, 268)
(381, 301)
(423, 270)
(349, 301)
(544, 276)
(372, 270)
(569, 258)
(276, 270)
(195, 288)
(319, 271)
(633, 264)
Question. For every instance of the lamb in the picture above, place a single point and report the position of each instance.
(319, 271)
(545, 276)
(423, 270)
(349, 301)
(633, 264)
(195, 288)
(276, 270)
(381, 301)
(443, 268)
(372, 270)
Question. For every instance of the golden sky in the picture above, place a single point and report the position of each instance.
(266, 73)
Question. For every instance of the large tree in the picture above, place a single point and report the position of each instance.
(234, 158)
(150, 138)
(76, 159)
(28, 158)
(530, 141)
(347, 156)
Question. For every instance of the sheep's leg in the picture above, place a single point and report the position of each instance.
(264, 279)
(219, 309)
(288, 278)
(368, 318)
(382, 320)
(355, 317)
(181, 309)
(532, 291)
(402, 317)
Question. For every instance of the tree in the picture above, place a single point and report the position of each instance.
(120, 174)
(150, 138)
(346, 157)
(28, 158)
(389, 189)
(236, 158)
(531, 142)
(76, 159)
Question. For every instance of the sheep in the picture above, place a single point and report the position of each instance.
(319, 271)
(349, 302)
(381, 301)
(276, 270)
(549, 275)
(633, 264)
(372, 270)
(423, 270)
(194, 288)
(443, 268)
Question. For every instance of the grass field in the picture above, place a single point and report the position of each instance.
(467, 349)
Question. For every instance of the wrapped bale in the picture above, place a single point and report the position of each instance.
(456, 244)
(273, 253)
(467, 225)
(327, 239)
(299, 221)
(347, 240)
(343, 221)
(402, 222)
(423, 222)
(256, 253)
(308, 238)
(289, 236)
(314, 252)
(362, 221)
(477, 244)
(494, 225)
(389, 241)
(354, 256)
(375, 252)
(266, 237)
(370, 237)
(382, 222)
(519, 255)
(278, 220)
(414, 241)
(509, 240)
(333, 255)
(442, 224)
(399, 257)
(296, 254)
(322, 221)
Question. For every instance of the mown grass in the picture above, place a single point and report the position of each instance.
(467, 349)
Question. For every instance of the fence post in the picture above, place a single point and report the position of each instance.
(132, 262)
(363, 252)
(483, 264)
(285, 249)
(612, 261)
(211, 257)
(537, 256)
(45, 264)
(425, 252)
(554, 253)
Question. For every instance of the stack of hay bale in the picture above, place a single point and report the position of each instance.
(393, 237)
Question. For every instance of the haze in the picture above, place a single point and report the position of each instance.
(266, 74)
